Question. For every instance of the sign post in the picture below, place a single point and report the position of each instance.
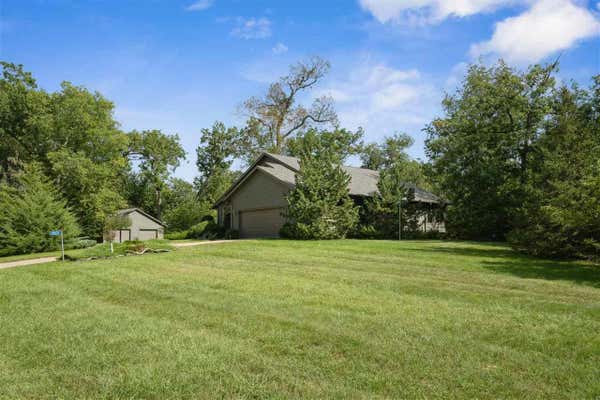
(400, 217)
(62, 241)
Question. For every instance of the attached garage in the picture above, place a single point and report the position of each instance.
(261, 223)
(256, 205)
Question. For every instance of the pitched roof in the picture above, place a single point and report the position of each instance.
(127, 211)
(363, 182)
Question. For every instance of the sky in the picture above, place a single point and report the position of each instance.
(180, 65)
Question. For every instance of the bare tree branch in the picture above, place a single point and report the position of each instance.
(277, 113)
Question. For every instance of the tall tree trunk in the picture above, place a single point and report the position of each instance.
(158, 203)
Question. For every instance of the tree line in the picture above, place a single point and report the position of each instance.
(515, 155)
(518, 156)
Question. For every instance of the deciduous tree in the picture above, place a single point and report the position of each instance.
(481, 150)
(218, 148)
(342, 143)
(158, 155)
(277, 116)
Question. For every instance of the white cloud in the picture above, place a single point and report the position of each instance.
(383, 100)
(548, 27)
(279, 48)
(430, 11)
(252, 28)
(199, 5)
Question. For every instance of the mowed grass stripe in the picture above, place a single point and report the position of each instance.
(206, 322)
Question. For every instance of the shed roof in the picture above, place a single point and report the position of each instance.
(127, 211)
(363, 182)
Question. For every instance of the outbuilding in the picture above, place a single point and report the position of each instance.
(143, 226)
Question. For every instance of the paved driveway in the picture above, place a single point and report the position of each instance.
(43, 260)
(28, 262)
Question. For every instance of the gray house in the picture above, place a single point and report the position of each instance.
(255, 203)
(143, 226)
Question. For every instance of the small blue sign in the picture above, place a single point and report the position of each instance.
(54, 233)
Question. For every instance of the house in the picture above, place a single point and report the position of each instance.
(143, 226)
(255, 203)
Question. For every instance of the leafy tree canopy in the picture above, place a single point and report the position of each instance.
(481, 150)
(158, 156)
(341, 143)
(218, 148)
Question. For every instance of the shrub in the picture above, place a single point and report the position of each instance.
(81, 243)
(420, 235)
(197, 231)
(120, 249)
(177, 235)
(232, 234)
(366, 232)
(214, 231)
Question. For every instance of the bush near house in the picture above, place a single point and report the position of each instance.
(319, 205)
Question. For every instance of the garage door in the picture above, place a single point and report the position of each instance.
(147, 234)
(261, 223)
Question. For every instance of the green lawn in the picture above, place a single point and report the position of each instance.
(100, 250)
(280, 319)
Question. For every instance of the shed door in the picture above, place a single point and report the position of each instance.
(261, 223)
(124, 235)
(148, 234)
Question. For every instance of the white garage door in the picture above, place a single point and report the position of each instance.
(147, 234)
(261, 223)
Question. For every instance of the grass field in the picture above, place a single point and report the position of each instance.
(280, 319)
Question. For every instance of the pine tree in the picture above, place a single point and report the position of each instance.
(561, 215)
(319, 207)
(29, 210)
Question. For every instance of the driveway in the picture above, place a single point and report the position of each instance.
(43, 260)
(32, 261)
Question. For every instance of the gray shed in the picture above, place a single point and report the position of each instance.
(143, 226)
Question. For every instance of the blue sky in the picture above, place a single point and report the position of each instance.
(180, 65)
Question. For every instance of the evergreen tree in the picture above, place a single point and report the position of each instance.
(561, 214)
(319, 207)
(29, 210)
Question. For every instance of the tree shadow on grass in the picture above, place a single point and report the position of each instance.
(506, 261)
